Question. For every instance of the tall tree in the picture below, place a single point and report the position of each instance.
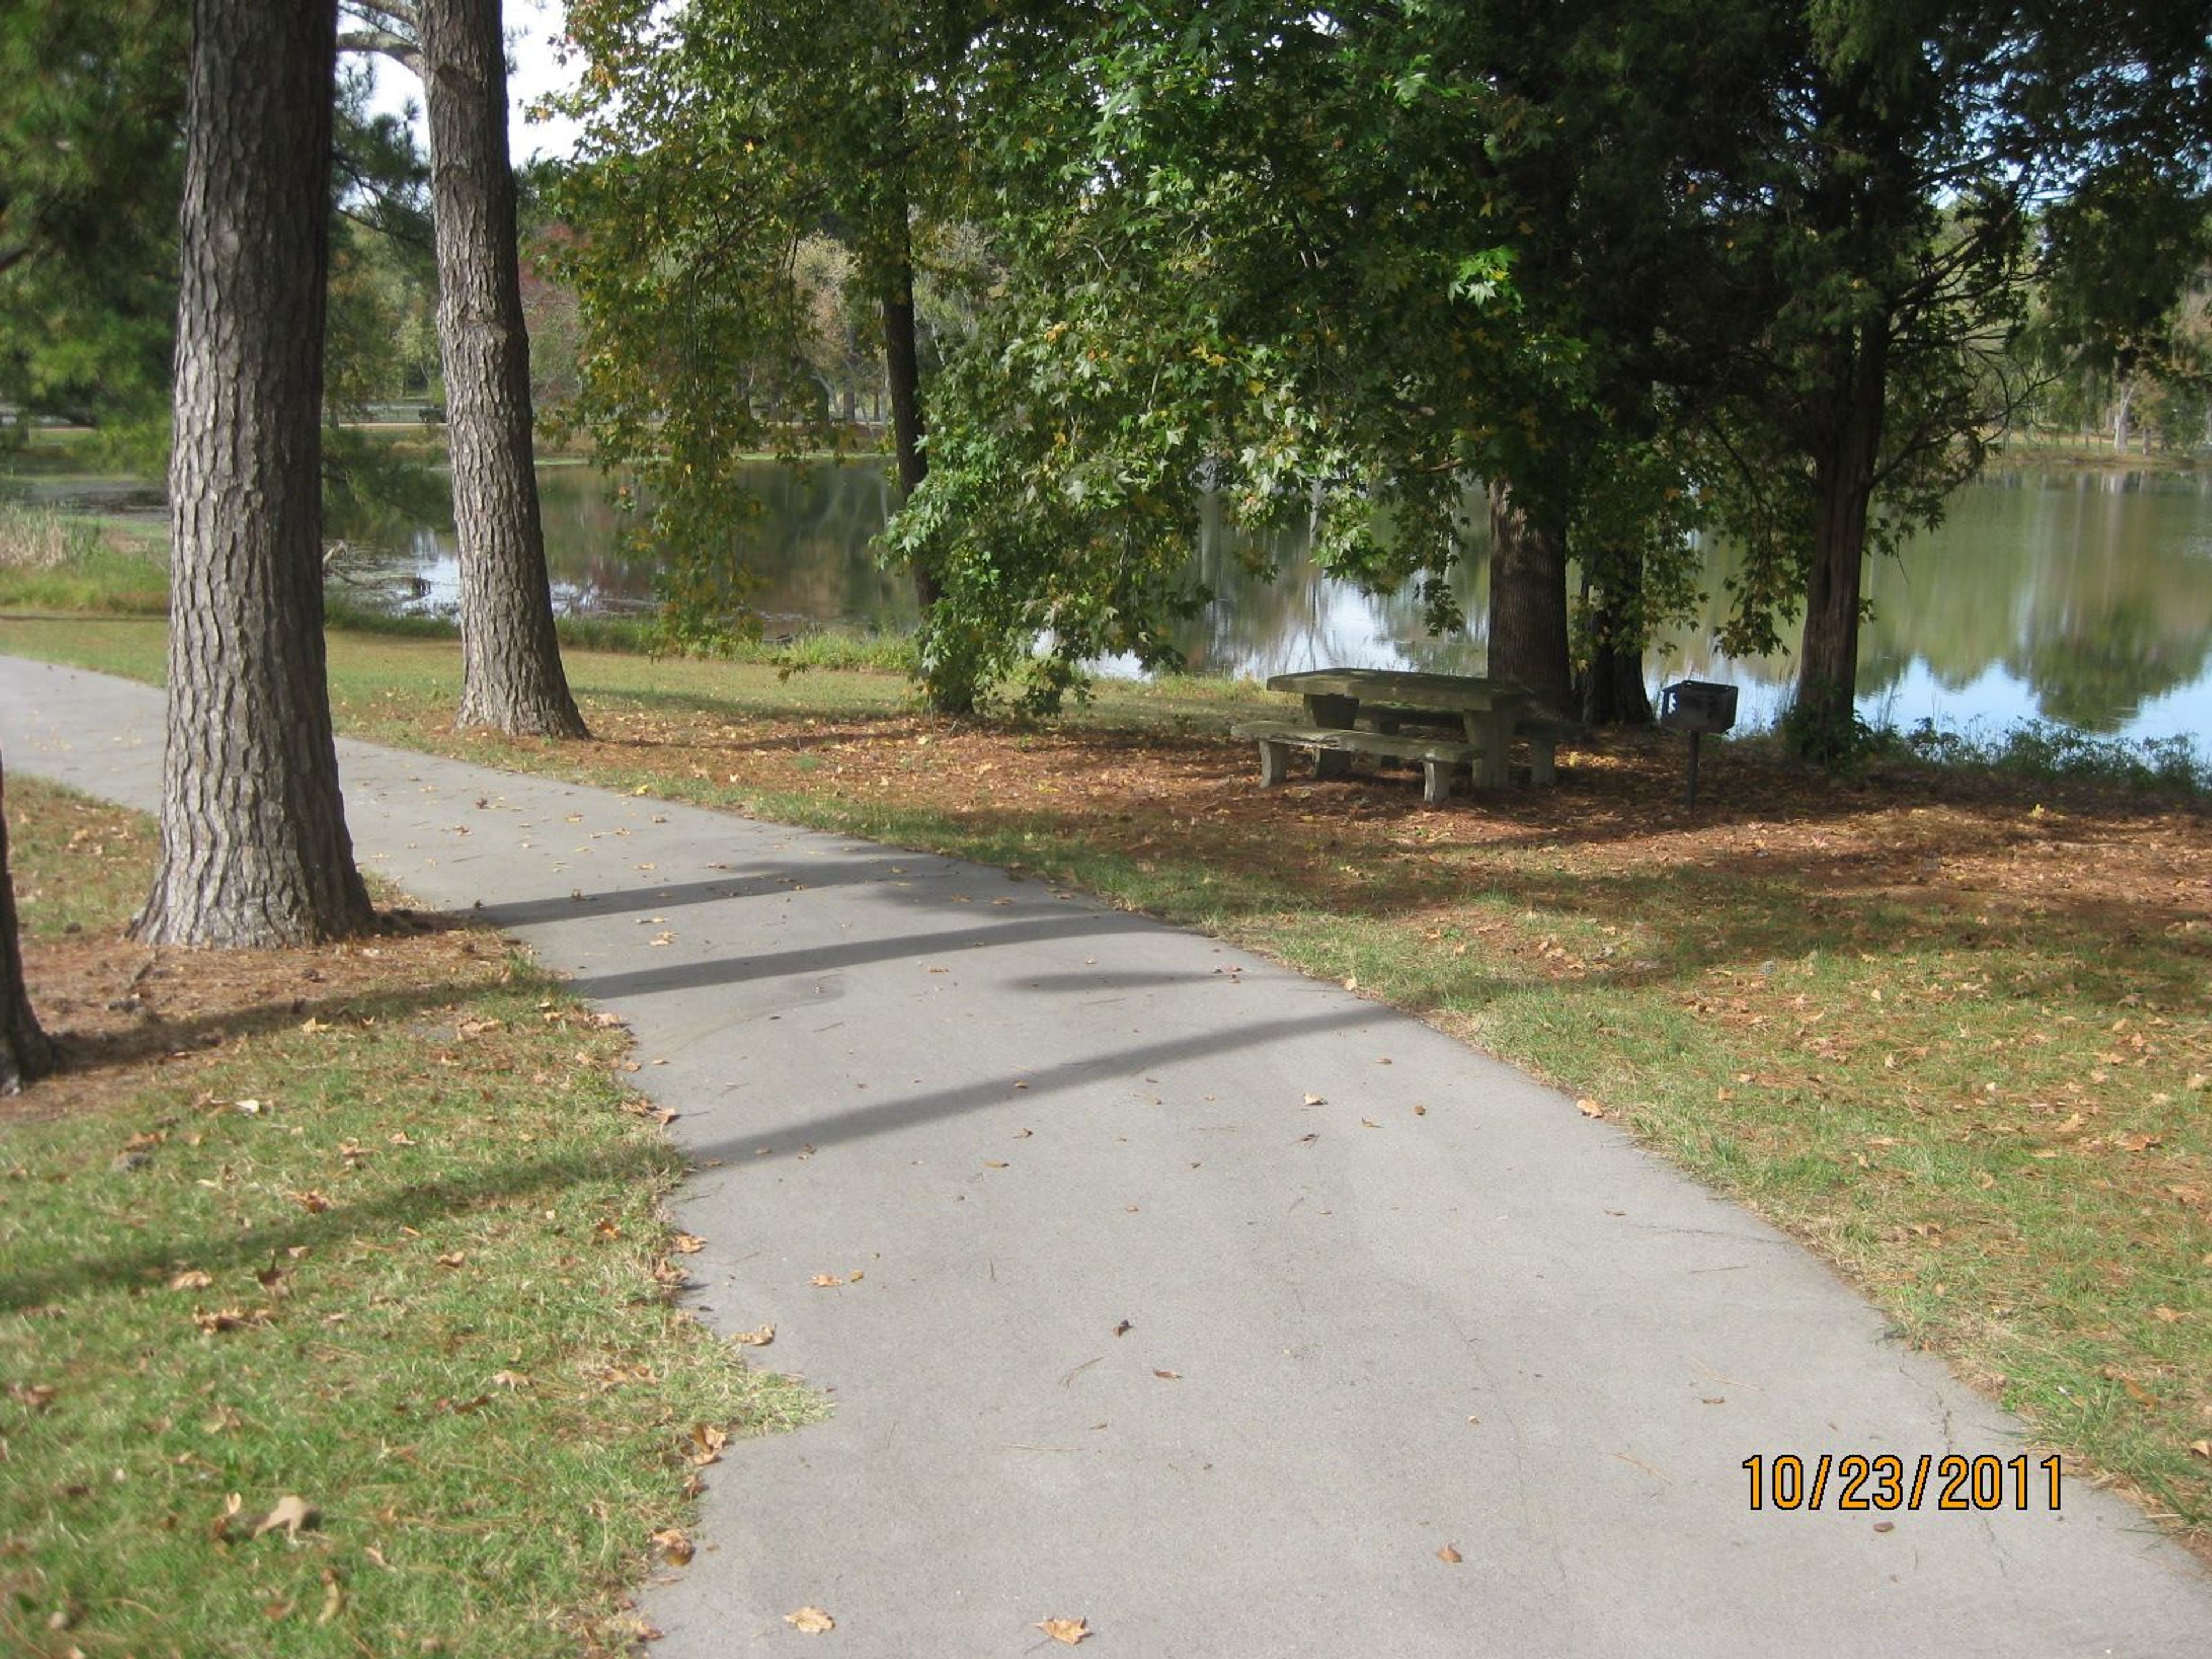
(26, 1052)
(511, 675)
(1895, 218)
(254, 845)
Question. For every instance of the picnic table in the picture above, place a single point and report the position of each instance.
(1351, 711)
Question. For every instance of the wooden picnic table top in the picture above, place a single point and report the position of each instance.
(1448, 693)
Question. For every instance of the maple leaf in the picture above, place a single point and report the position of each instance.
(1070, 1630)
(811, 1621)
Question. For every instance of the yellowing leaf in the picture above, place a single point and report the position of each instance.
(813, 1621)
(1449, 1555)
(1070, 1630)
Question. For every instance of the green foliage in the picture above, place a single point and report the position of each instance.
(91, 157)
(2037, 749)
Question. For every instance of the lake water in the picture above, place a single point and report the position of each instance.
(2080, 597)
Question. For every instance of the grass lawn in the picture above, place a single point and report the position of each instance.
(337, 1314)
(1948, 1027)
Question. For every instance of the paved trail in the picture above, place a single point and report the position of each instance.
(1192, 1297)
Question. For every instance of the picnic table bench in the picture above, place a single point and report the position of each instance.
(1365, 711)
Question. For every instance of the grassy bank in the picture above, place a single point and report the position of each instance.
(336, 1318)
(1947, 1024)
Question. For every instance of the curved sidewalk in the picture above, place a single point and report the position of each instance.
(1186, 1296)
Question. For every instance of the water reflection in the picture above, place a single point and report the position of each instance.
(2080, 597)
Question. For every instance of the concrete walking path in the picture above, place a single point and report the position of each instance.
(1195, 1298)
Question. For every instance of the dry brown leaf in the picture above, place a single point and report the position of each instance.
(1449, 1555)
(228, 1319)
(291, 1513)
(1589, 1109)
(2166, 1316)
(706, 1443)
(334, 1596)
(674, 1546)
(2202, 1447)
(758, 1339)
(1316, 1100)
(687, 1244)
(191, 1280)
(314, 1200)
(825, 1281)
(1168, 1376)
(812, 1621)
(995, 1164)
(1070, 1630)
(453, 1259)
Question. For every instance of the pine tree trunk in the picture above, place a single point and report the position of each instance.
(902, 370)
(254, 846)
(1822, 720)
(511, 675)
(26, 1054)
(1529, 603)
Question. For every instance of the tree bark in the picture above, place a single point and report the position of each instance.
(511, 675)
(1612, 689)
(1529, 602)
(26, 1052)
(1822, 721)
(254, 846)
(903, 372)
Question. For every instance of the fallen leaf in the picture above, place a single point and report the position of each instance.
(825, 1281)
(314, 1201)
(452, 1259)
(674, 1546)
(995, 1164)
(1169, 1376)
(686, 1244)
(334, 1596)
(2202, 1447)
(810, 1620)
(1316, 1100)
(191, 1280)
(1589, 1109)
(226, 1319)
(706, 1443)
(291, 1513)
(1449, 1555)
(2164, 1315)
(759, 1338)
(1123, 1329)
(509, 1380)
(1070, 1630)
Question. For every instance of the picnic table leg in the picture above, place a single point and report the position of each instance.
(1340, 714)
(1274, 762)
(1489, 731)
(1436, 782)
